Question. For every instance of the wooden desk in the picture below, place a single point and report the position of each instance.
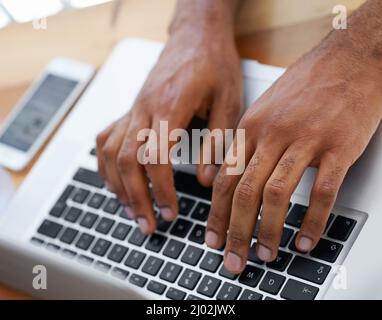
(87, 36)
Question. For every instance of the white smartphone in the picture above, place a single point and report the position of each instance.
(40, 110)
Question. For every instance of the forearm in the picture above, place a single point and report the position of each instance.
(205, 17)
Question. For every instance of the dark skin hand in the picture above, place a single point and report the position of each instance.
(198, 73)
(322, 113)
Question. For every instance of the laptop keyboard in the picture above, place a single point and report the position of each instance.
(88, 224)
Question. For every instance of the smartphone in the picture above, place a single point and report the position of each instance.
(40, 110)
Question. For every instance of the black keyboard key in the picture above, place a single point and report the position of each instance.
(156, 287)
(104, 225)
(100, 247)
(137, 237)
(175, 294)
(37, 241)
(208, 286)
(251, 276)
(102, 266)
(137, 280)
(120, 273)
(309, 270)
(188, 184)
(192, 255)
(121, 231)
(181, 228)
(117, 253)
(66, 194)
(123, 214)
(170, 272)
(96, 201)
(201, 212)
(73, 215)
(53, 247)
(250, 295)
(296, 215)
(69, 253)
(296, 290)
(173, 249)
(68, 235)
(211, 261)
(228, 292)
(226, 274)
(89, 220)
(281, 262)
(341, 228)
(85, 260)
(58, 209)
(189, 279)
(330, 220)
(285, 237)
(112, 206)
(272, 283)
(252, 255)
(152, 265)
(80, 195)
(269, 299)
(89, 177)
(327, 250)
(163, 225)
(156, 242)
(192, 297)
(84, 241)
(49, 229)
(185, 205)
(292, 245)
(135, 259)
(93, 152)
(197, 234)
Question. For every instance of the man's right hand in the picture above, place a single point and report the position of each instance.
(198, 73)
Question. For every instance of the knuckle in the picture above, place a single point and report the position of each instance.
(236, 238)
(243, 194)
(109, 152)
(326, 191)
(222, 184)
(267, 235)
(275, 190)
(124, 161)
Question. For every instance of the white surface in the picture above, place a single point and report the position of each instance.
(27, 10)
(113, 93)
(6, 189)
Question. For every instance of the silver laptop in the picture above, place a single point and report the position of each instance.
(65, 221)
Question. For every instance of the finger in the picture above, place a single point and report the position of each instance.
(329, 178)
(160, 172)
(110, 153)
(246, 205)
(100, 142)
(277, 193)
(224, 115)
(223, 190)
(134, 178)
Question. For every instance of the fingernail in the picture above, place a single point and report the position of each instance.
(143, 225)
(264, 253)
(212, 239)
(130, 213)
(167, 213)
(305, 244)
(210, 171)
(233, 262)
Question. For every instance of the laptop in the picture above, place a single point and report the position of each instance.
(65, 221)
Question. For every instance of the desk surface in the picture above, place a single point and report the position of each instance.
(87, 36)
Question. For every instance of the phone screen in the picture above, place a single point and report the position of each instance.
(37, 112)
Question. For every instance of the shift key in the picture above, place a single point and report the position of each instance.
(309, 270)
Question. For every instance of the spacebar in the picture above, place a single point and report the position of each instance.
(89, 177)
